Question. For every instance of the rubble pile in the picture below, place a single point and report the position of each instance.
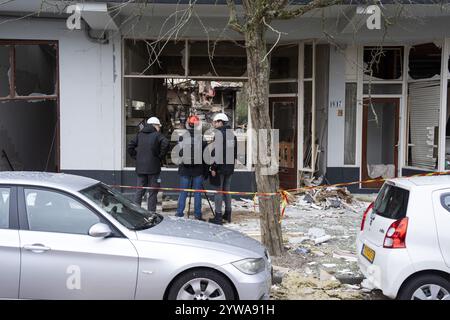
(326, 198)
(319, 232)
(296, 286)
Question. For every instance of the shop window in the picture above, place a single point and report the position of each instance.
(382, 88)
(144, 57)
(308, 61)
(424, 61)
(307, 125)
(34, 78)
(350, 124)
(383, 63)
(28, 96)
(283, 87)
(173, 100)
(224, 58)
(284, 62)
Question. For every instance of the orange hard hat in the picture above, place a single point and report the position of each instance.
(193, 120)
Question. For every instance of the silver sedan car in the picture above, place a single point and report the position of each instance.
(69, 237)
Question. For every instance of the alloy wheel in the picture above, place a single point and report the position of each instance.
(201, 289)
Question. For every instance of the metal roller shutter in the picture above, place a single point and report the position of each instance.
(424, 105)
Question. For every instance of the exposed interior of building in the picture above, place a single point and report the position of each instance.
(28, 106)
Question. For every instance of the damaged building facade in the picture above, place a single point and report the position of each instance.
(351, 103)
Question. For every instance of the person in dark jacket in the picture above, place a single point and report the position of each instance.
(148, 148)
(191, 168)
(223, 167)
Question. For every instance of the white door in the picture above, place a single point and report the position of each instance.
(61, 261)
(441, 203)
(9, 248)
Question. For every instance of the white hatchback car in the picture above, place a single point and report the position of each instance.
(404, 242)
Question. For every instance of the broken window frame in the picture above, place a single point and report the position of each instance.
(436, 75)
(187, 74)
(440, 145)
(12, 75)
(301, 149)
(368, 79)
(55, 97)
(248, 166)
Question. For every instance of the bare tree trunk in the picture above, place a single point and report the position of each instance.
(258, 99)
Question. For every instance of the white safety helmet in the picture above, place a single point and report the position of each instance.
(154, 120)
(220, 117)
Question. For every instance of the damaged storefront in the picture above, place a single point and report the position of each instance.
(350, 103)
(395, 121)
(174, 79)
(29, 105)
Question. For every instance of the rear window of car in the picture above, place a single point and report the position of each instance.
(392, 202)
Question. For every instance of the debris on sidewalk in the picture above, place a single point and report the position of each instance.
(322, 239)
(298, 287)
(302, 251)
(319, 231)
(327, 198)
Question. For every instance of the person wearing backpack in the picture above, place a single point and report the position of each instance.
(148, 148)
(191, 167)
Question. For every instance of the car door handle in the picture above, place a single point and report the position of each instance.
(36, 248)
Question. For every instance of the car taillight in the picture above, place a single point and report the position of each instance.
(369, 208)
(396, 234)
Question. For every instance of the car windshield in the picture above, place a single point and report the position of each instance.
(120, 208)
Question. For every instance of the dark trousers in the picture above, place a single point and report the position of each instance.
(225, 184)
(148, 180)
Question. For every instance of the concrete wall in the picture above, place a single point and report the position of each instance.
(90, 93)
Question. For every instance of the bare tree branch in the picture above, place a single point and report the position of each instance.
(233, 20)
(315, 4)
(279, 33)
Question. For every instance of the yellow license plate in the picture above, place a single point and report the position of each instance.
(368, 253)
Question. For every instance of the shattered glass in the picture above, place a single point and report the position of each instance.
(35, 70)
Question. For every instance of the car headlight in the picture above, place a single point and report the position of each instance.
(250, 266)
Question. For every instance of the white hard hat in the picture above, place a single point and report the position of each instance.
(220, 117)
(154, 120)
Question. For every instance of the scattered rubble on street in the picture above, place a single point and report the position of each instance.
(319, 233)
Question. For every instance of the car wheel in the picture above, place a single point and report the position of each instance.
(426, 287)
(201, 284)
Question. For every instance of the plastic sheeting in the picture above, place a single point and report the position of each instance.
(386, 171)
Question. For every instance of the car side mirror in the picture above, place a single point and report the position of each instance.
(100, 230)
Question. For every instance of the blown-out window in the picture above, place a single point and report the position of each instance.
(29, 105)
(175, 79)
(383, 63)
(25, 78)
